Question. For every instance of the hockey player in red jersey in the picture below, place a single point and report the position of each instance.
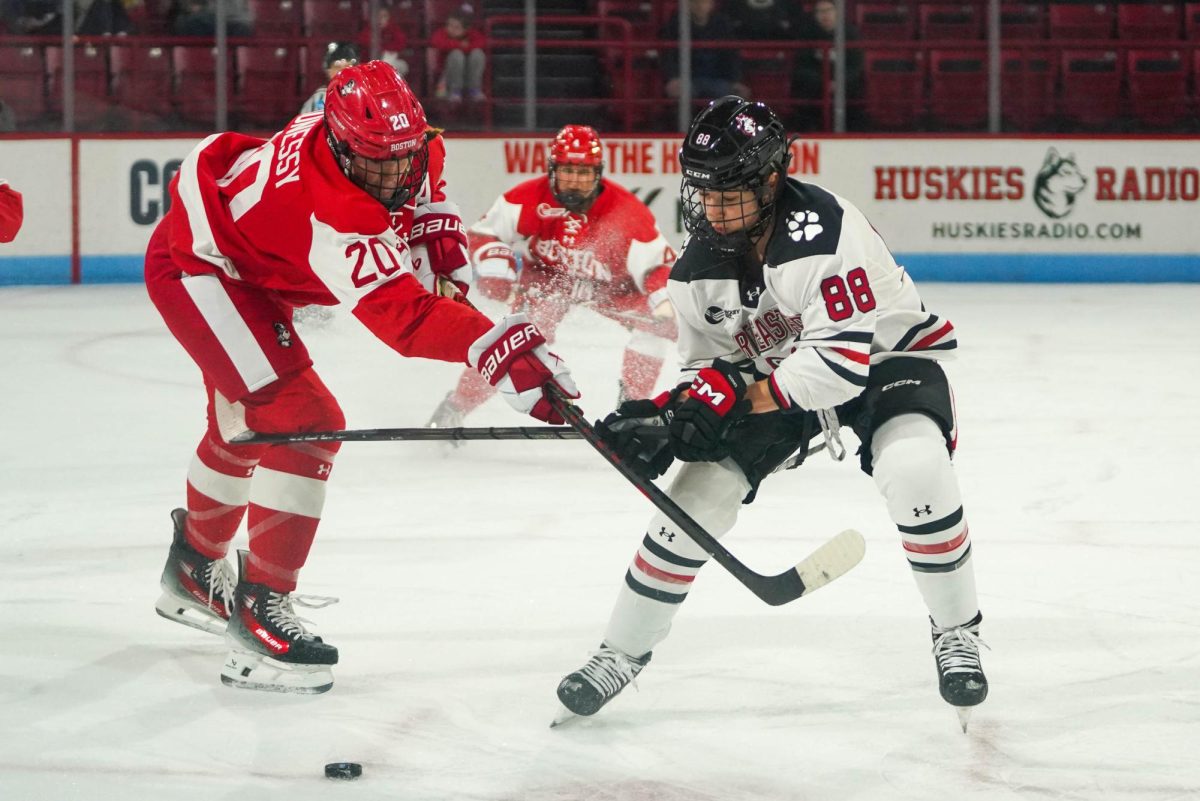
(12, 212)
(583, 240)
(794, 319)
(333, 209)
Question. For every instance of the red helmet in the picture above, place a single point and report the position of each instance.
(374, 119)
(576, 146)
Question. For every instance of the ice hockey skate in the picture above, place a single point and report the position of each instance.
(447, 415)
(586, 690)
(960, 674)
(269, 647)
(196, 591)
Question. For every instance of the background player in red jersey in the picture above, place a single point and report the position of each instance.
(12, 212)
(333, 209)
(583, 240)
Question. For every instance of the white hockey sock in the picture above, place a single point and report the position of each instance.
(667, 560)
(913, 471)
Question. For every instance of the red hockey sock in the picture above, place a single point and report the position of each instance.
(218, 488)
(286, 499)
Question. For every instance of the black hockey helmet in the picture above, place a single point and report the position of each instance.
(340, 51)
(733, 144)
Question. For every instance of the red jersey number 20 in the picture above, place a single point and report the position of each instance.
(373, 259)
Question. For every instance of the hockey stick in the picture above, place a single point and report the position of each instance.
(399, 434)
(422, 434)
(822, 566)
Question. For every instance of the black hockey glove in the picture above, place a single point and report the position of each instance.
(637, 431)
(716, 401)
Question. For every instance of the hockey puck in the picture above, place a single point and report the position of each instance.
(343, 770)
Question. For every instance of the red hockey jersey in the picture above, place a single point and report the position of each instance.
(280, 215)
(614, 248)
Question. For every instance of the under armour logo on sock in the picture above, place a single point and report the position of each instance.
(917, 511)
(670, 535)
(323, 470)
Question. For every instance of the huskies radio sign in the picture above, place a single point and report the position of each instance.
(1065, 194)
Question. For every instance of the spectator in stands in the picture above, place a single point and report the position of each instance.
(35, 17)
(101, 18)
(809, 80)
(338, 56)
(44, 17)
(393, 41)
(715, 71)
(763, 19)
(457, 53)
(199, 18)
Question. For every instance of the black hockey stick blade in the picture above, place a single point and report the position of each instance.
(822, 566)
(406, 434)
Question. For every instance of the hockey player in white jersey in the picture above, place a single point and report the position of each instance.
(794, 321)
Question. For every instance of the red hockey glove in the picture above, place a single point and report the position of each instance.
(513, 357)
(716, 400)
(438, 228)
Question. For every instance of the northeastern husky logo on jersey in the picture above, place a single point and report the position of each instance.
(804, 225)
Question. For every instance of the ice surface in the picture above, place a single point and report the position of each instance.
(471, 581)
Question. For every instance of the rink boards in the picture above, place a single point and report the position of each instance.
(954, 209)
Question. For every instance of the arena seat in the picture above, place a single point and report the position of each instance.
(893, 84)
(1090, 93)
(949, 21)
(142, 77)
(1027, 80)
(1080, 21)
(888, 21)
(1022, 21)
(958, 87)
(333, 20)
(195, 68)
(24, 71)
(1159, 21)
(91, 83)
(275, 18)
(267, 85)
(1157, 87)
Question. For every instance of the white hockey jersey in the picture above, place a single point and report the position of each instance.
(828, 302)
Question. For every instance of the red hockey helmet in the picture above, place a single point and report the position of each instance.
(378, 131)
(576, 147)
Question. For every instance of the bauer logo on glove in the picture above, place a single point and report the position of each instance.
(513, 357)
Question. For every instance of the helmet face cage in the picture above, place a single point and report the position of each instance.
(576, 146)
(378, 177)
(732, 146)
(378, 132)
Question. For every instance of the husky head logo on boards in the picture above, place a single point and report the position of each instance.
(1058, 182)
